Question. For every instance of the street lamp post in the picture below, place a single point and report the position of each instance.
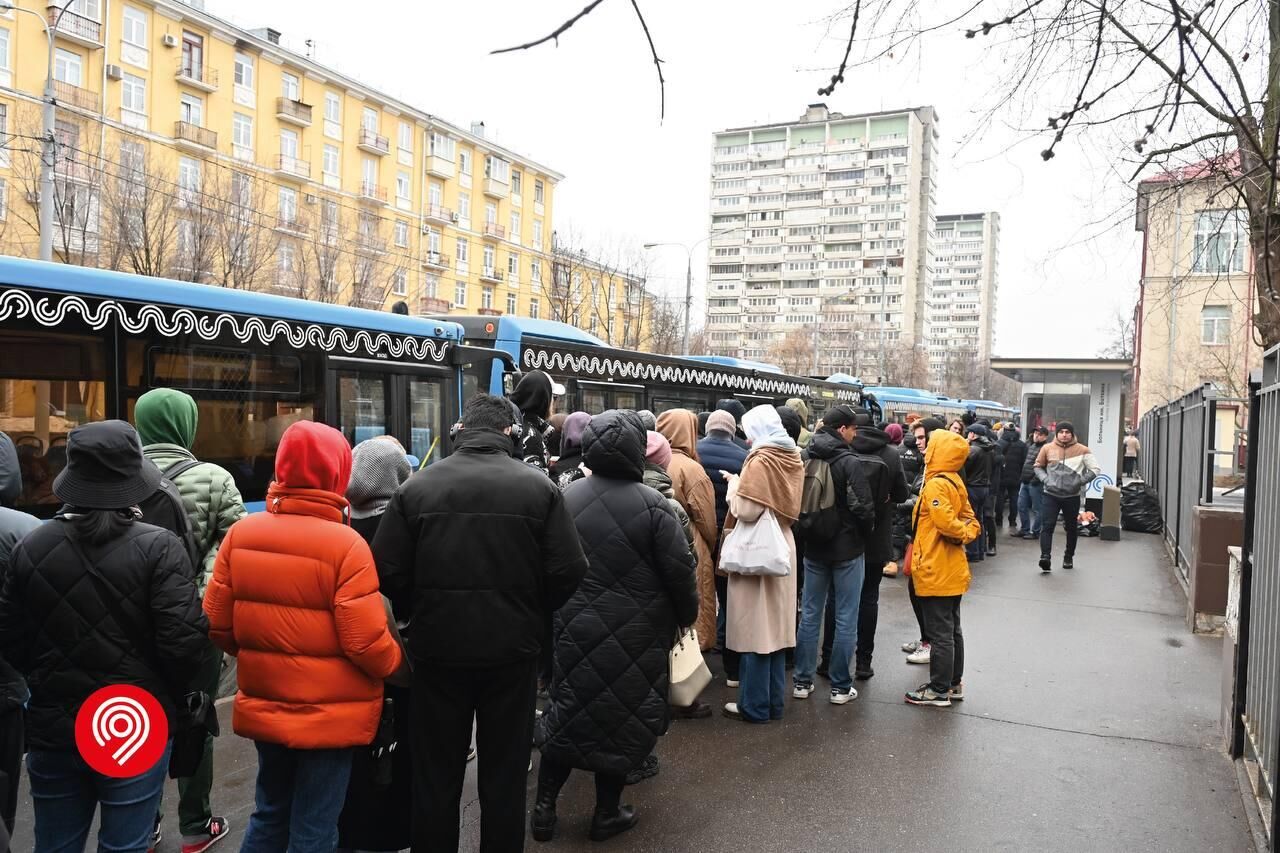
(688, 278)
(48, 148)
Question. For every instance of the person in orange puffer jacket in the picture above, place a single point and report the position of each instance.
(294, 596)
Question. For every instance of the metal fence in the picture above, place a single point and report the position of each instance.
(1256, 714)
(1177, 461)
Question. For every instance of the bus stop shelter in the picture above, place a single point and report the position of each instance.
(1088, 392)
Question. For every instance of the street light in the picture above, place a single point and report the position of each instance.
(48, 150)
(688, 277)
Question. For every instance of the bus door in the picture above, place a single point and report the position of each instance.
(407, 401)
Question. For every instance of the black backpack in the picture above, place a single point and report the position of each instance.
(819, 513)
(164, 508)
(876, 473)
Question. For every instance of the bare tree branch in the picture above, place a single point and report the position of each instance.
(555, 34)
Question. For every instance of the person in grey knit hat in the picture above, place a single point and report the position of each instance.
(378, 467)
(649, 419)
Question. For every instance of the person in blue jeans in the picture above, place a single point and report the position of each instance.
(835, 562)
(1031, 495)
(298, 797)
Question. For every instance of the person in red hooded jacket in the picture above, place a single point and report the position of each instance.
(294, 596)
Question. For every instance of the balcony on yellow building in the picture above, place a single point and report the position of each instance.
(436, 260)
(491, 274)
(76, 28)
(74, 96)
(433, 306)
(293, 224)
(439, 167)
(369, 191)
(293, 112)
(373, 143)
(496, 189)
(196, 76)
(292, 167)
(494, 231)
(194, 137)
(437, 213)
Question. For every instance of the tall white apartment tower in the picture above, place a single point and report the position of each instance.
(960, 311)
(820, 232)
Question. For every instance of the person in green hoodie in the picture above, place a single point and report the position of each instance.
(166, 421)
(799, 406)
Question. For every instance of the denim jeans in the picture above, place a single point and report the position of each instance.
(65, 792)
(977, 549)
(1070, 509)
(764, 684)
(298, 799)
(847, 579)
(1029, 500)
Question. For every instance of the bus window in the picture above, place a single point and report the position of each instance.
(627, 400)
(362, 405)
(49, 385)
(593, 402)
(426, 417)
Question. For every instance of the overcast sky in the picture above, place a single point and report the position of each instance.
(589, 109)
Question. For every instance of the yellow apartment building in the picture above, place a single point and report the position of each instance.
(191, 148)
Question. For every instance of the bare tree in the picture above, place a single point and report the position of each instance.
(1121, 337)
(139, 216)
(906, 364)
(322, 252)
(370, 280)
(247, 241)
(199, 208)
(794, 352)
(666, 328)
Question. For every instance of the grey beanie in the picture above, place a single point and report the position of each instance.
(378, 467)
(649, 419)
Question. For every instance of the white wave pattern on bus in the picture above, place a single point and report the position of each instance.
(595, 365)
(183, 321)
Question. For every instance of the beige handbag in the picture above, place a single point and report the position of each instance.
(688, 673)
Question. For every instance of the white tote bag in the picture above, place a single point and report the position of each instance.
(688, 673)
(756, 548)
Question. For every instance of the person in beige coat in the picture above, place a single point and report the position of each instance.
(693, 491)
(762, 610)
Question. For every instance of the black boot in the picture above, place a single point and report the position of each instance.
(605, 825)
(542, 823)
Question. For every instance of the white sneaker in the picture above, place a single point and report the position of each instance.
(802, 691)
(729, 682)
(911, 646)
(840, 697)
(920, 655)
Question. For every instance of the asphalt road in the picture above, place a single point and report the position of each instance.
(1090, 724)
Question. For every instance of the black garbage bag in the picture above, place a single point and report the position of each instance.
(1140, 509)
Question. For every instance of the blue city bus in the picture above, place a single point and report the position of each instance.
(899, 404)
(597, 377)
(79, 345)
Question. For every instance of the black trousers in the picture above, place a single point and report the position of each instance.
(1050, 506)
(552, 775)
(11, 749)
(1007, 496)
(917, 609)
(728, 657)
(445, 701)
(946, 642)
(868, 612)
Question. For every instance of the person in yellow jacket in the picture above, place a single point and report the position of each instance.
(943, 523)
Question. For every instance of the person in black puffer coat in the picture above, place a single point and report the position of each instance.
(609, 684)
(92, 598)
(977, 481)
(912, 467)
(1014, 451)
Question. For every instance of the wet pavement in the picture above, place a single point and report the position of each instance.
(1090, 724)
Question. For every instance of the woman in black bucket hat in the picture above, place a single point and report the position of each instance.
(95, 598)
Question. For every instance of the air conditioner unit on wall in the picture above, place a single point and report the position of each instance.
(114, 72)
(457, 218)
(311, 198)
(170, 40)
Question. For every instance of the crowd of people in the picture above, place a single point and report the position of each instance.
(382, 627)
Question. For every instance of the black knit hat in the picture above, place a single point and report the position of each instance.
(1067, 425)
(105, 468)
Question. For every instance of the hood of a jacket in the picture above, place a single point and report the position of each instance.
(947, 452)
(826, 445)
(533, 394)
(166, 416)
(378, 467)
(10, 472)
(1011, 434)
(870, 440)
(799, 406)
(313, 456)
(613, 445)
(680, 426)
(658, 479)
